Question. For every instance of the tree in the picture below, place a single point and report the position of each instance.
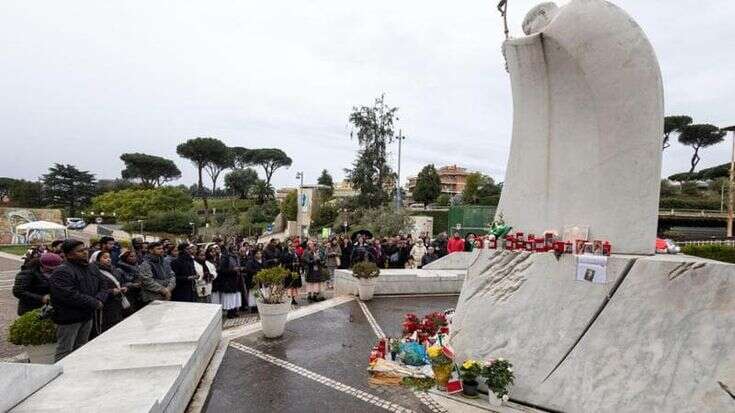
(21, 193)
(480, 189)
(241, 157)
(674, 124)
(385, 221)
(370, 174)
(270, 159)
(137, 203)
(262, 191)
(151, 170)
(201, 151)
(443, 200)
(240, 181)
(290, 206)
(698, 137)
(325, 179)
(215, 167)
(428, 185)
(67, 187)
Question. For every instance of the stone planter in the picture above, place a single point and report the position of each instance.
(273, 318)
(366, 288)
(43, 354)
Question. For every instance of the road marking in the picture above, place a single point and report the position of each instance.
(349, 390)
(371, 320)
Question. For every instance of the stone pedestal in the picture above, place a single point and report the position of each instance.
(656, 337)
(150, 362)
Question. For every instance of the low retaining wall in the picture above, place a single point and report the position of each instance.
(150, 362)
(453, 261)
(392, 282)
(658, 336)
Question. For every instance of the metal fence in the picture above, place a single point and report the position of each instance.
(724, 242)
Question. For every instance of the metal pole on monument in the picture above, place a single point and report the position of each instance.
(731, 188)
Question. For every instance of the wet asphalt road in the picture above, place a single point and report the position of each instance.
(331, 348)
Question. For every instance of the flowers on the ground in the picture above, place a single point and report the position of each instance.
(498, 376)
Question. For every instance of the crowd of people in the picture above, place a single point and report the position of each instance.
(87, 290)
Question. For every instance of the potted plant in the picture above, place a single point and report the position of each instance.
(366, 272)
(498, 376)
(272, 301)
(37, 334)
(469, 371)
(440, 358)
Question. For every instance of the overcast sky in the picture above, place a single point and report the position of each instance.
(84, 81)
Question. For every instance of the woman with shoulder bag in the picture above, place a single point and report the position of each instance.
(116, 302)
(206, 272)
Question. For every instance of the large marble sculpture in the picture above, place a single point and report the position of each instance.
(587, 126)
(656, 334)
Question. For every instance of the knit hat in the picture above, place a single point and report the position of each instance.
(50, 260)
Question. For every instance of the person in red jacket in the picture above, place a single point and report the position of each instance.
(455, 244)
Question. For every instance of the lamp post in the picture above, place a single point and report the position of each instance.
(400, 138)
(300, 176)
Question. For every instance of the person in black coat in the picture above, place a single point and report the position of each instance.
(346, 253)
(252, 267)
(31, 286)
(272, 254)
(111, 280)
(183, 268)
(228, 284)
(129, 270)
(290, 261)
(76, 294)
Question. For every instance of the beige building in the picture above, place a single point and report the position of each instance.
(282, 193)
(344, 189)
(453, 179)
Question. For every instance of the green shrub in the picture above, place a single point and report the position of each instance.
(174, 222)
(271, 287)
(30, 330)
(712, 251)
(365, 269)
(689, 203)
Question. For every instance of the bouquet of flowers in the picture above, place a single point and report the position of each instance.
(410, 324)
(441, 358)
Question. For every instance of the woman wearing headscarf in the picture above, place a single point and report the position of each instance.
(129, 270)
(290, 261)
(31, 286)
(226, 286)
(313, 264)
(255, 264)
(206, 272)
(111, 281)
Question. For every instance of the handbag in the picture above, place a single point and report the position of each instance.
(124, 301)
(47, 312)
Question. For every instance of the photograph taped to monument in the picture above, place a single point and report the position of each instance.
(592, 268)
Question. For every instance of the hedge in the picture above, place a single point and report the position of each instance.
(711, 251)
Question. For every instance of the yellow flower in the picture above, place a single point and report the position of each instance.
(468, 364)
(434, 351)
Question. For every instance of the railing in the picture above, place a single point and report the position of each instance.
(693, 213)
(724, 242)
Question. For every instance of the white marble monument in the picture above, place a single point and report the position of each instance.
(587, 126)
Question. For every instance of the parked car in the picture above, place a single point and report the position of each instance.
(75, 223)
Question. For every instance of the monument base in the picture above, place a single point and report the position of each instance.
(396, 281)
(654, 337)
(153, 359)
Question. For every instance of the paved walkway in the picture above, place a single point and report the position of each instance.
(320, 363)
(8, 305)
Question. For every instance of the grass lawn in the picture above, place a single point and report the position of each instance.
(19, 250)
